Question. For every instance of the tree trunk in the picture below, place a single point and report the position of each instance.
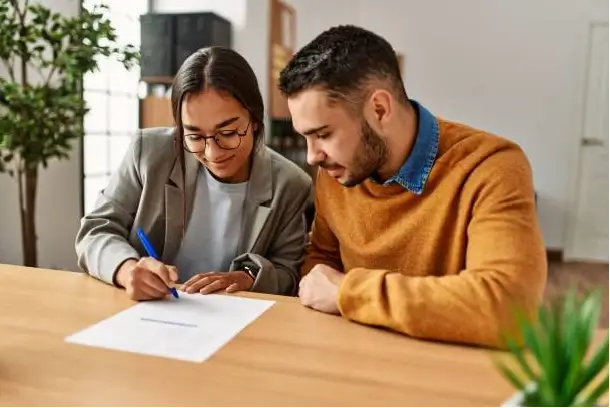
(28, 181)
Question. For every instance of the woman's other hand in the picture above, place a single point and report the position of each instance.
(210, 282)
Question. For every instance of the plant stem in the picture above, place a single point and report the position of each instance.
(30, 257)
(27, 181)
(27, 175)
(19, 173)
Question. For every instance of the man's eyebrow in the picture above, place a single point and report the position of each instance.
(222, 124)
(314, 130)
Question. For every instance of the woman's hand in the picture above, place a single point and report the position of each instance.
(146, 279)
(209, 282)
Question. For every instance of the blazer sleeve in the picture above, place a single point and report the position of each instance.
(102, 240)
(279, 269)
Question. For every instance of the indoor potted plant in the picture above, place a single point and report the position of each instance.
(558, 363)
(45, 55)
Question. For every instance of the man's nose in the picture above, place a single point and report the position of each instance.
(315, 155)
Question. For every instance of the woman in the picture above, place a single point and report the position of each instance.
(223, 211)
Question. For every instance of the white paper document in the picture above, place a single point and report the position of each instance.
(190, 328)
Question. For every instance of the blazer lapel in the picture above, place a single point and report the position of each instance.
(174, 207)
(260, 192)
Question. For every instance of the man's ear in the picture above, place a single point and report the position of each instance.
(381, 105)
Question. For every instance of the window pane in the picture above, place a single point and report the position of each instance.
(93, 187)
(123, 114)
(112, 112)
(96, 120)
(127, 28)
(95, 80)
(95, 154)
(118, 148)
(98, 80)
(123, 81)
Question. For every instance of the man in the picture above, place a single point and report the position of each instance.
(424, 226)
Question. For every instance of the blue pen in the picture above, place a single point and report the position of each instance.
(150, 250)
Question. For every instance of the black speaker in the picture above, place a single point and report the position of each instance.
(194, 31)
(157, 33)
(168, 39)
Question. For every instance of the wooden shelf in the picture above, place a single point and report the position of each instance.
(166, 80)
(156, 111)
(281, 48)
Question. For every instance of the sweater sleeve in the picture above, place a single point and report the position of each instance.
(323, 246)
(505, 268)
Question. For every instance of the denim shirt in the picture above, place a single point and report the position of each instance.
(416, 169)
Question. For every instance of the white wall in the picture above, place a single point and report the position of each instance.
(59, 197)
(514, 67)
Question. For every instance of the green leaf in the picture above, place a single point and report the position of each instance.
(559, 341)
(595, 394)
(518, 383)
(518, 354)
(595, 366)
(575, 345)
(547, 380)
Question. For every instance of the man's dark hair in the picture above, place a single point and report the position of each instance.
(344, 60)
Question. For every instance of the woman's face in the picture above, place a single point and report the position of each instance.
(218, 131)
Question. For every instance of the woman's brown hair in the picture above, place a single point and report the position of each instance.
(224, 70)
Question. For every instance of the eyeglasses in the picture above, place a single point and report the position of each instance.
(225, 139)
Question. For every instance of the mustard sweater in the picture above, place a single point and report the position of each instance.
(452, 264)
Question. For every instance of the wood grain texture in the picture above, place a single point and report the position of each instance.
(289, 356)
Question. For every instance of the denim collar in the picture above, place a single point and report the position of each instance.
(414, 172)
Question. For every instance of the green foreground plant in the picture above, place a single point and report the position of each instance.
(557, 359)
(46, 55)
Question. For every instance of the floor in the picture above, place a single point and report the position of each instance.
(585, 276)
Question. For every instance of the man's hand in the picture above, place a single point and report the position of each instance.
(209, 282)
(146, 279)
(319, 289)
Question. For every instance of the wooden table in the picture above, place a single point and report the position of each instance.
(289, 356)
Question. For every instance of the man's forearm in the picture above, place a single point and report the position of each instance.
(471, 307)
(314, 258)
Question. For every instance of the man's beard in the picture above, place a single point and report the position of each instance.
(370, 156)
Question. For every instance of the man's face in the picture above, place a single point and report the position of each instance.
(347, 147)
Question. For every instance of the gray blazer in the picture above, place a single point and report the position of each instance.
(146, 191)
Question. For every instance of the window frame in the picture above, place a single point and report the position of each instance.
(109, 132)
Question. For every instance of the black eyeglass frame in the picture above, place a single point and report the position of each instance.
(216, 136)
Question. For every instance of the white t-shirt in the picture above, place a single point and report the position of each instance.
(214, 229)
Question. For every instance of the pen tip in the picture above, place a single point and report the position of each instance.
(174, 292)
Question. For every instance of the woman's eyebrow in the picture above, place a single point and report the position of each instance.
(222, 124)
(226, 122)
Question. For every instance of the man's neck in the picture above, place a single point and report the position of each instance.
(399, 140)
